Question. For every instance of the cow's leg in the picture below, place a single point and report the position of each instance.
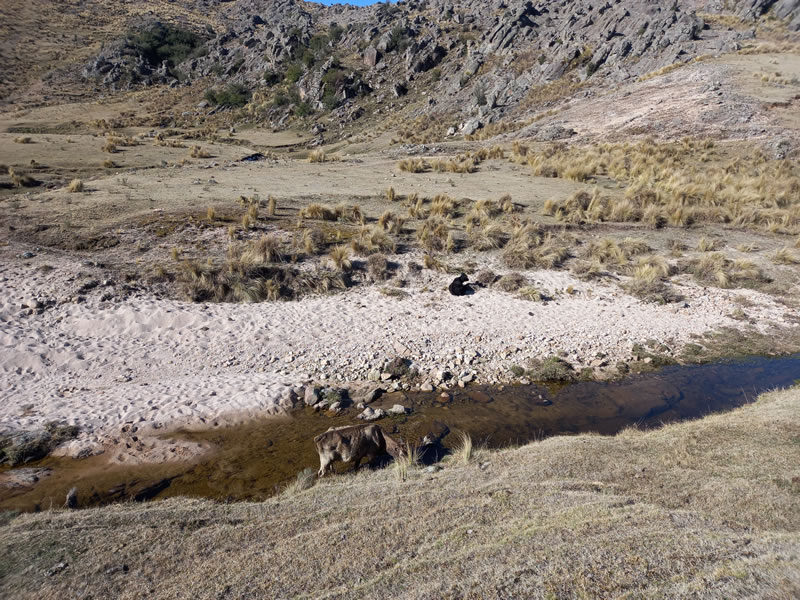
(356, 463)
(324, 463)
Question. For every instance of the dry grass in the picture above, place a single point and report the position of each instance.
(75, 186)
(434, 235)
(23, 140)
(530, 247)
(318, 212)
(348, 213)
(672, 184)
(785, 256)
(340, 258)
(413, 165)
(317, 156)
(706, 509)
(272, 205)
(391, 222)
(462, 451)
(199, 152)
(211, 214)
(370, 240)
(714, 269)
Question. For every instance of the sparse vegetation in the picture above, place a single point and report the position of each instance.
(75, 186)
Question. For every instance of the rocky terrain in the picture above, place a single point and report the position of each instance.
(469, 63)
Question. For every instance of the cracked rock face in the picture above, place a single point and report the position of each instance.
(479, 50)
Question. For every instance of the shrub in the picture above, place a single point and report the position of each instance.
(162, 42)
(76, 185)
(198, 152)
(234, 95)
(294, 72)
(551, 369)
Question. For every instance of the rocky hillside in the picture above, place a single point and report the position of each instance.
(480, 61)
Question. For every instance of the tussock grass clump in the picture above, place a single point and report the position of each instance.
(109, 164)
(490, 236)
(708, 245)
(442, 205)
(370, 240)
(22, 448)
(413, 165)
(318, 212)
(75, 186)
(715, 269)
(390, 194)
(785, 256)
(266, 249)
(391, 222)
(311, 240)
(378, 267)
(317, 156)
(676, 184)
(529, 247)
(416, 207)
(531, 293)
(211, 214)
(511, 282)
(243, 278)
(551, 369)
(340, 258)
(23, 140)
(462, 451)
(198, 152)
(272, 205)
(406, 461)
(648, 282)
(305, 480)
(486, 277)
(349, 213)
(109, 146)
(434, 235)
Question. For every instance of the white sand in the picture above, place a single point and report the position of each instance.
(154, 363)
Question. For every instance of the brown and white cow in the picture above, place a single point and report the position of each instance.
(354, 442)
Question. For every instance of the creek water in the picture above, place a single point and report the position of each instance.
(254, 460)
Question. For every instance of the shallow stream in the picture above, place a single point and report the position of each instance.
(255, 460)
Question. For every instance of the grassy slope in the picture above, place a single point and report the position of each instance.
(703, 509)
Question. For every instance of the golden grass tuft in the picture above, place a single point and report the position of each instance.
(462, 451)
(23, 140)
(413, 165)
(340, 258)
(318, 212)
(211, 214)
(198, 152)
(784, 256)
(434, 235)
(317, 156)
(272, 205)
(75, 186)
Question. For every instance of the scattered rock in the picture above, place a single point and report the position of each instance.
(311, 395)
(399, 409)
(373, 395)
(372, 414)
(426, 387)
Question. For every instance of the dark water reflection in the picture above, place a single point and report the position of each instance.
(254, 460)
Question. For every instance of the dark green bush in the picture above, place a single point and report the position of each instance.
(234, 95)
(294, 72)
(161, 43)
